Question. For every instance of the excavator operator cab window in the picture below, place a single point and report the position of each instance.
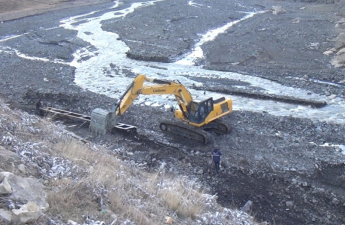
(199, 110)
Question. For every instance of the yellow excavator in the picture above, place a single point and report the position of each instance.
(194, 117)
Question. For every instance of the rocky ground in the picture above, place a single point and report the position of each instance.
(276, 162)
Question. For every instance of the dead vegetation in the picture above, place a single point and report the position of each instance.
(109, 186)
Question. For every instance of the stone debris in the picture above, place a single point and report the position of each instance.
(247, 206)
(28, 213)
(276, 10)
(168, 220)
(5, 216)
(5, 187)
(289, 204)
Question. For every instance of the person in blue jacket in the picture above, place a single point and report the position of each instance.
(216, 158)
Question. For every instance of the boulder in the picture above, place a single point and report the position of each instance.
(8, 159)
(278, 10)
(247, 206)
(168, 220)
(339, 41)
(5, 187)
(339, 60)
(5, 216)
(28, 213)
(27, 189)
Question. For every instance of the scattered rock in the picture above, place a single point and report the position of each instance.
(27, 189)
(276, 10)
(8, 159)
(200, 172)
(168, 220)
(22, 168)
(247, 206)
(339, 41)
(338, 61)
(296, 20)
(328, 52)
(29, 212)
(335, 201)
(5, 216)
(5, 187)
(289, 204)
(71, 222)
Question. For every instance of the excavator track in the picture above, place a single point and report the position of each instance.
(218, 126)
(181, 129)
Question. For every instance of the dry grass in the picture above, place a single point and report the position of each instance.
(185, 199)
(144, 198)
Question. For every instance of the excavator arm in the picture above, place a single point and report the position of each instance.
(160, 87)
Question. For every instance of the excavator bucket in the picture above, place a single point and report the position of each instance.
(102, 121)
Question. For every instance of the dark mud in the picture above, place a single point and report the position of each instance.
(278, 163)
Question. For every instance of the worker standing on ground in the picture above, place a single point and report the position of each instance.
(216, 158)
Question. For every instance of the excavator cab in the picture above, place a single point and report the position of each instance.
(199, 110)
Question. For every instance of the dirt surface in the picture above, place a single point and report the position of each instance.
(279, 163)
(14, 9)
